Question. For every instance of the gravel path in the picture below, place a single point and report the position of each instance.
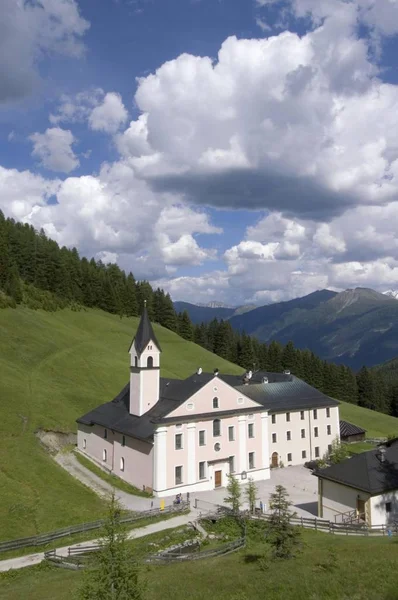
(130, 502)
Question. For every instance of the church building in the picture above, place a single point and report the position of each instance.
(175, 436)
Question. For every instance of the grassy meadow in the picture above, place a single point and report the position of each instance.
(330, 568)
(56, 366)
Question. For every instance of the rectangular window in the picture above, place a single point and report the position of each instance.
(202, 470)
(388, 507)
(288, 435)
(231, 433)
(250, 429)
(215, 402)
(315, 413)
(273, 419)
(178, 441)
(303, 454)
(302, 433)
(104, 455)
(315, 431)
(202, 438)
(328, 413)
(289, 458)
(122, 464)
(84, 444)
(105, 434)
(302, 415)
(330, 448)
(288, 417)
(316, 451)
(251, 460)
(232, 464)
(123, 440)
(274, 438)
(178, 475)
(329, 430)
(216, 428)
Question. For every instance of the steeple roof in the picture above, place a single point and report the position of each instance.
(144, 334)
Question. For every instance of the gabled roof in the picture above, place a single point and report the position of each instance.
(144, 334)
(367, 471)
(347, 429)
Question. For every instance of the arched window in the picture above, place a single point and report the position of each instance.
(149, 362)
(122, 464)
(104, 455)
(216, 428)
(136, 361)
(215, 403)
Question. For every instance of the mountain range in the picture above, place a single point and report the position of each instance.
(203, 313)
(355, 327)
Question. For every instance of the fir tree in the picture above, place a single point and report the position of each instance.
(283, 537)
(251, 494)
(234, 493)
(113, 573)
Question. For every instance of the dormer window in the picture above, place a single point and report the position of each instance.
(215, 403)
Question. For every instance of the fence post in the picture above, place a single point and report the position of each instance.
(316, 525)
(302, 522)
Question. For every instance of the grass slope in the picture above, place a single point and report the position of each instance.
(330, 567)
(377, 424)
(54, 367)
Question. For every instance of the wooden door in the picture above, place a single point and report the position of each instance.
(274, 460)
(217, 478)
(361, 509)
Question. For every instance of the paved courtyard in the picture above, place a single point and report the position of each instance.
(301, 485)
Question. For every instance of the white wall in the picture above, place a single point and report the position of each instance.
(338, 498)
(378, 507)
(297, 444)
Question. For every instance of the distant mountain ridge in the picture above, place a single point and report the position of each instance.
(204, 313)
(391, 294)
(355, 327)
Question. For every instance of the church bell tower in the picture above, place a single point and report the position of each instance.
(144, 367)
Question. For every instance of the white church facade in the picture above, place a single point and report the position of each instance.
(173, 436)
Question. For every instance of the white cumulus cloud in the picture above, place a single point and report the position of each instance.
(110, 115)
(54, 149)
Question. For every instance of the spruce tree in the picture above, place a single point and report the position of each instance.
(251, 494)
(113, 573)
(234, 493)
(282, 535)
(289, 357)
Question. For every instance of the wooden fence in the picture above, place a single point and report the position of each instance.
(46, 538)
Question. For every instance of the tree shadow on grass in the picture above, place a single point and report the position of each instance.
(252, 558)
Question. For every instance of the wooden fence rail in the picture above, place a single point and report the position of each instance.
(46, 538)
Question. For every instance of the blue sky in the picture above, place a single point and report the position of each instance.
(260, 166)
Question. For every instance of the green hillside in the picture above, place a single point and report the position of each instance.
(54, 367)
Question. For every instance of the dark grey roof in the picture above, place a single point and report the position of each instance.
(366, 471)
(285, 393)
(347, 429)
(115, 414)
(144, 333)
(282, 393)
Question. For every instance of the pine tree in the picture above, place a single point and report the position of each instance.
(283, 537)
(113, 573)
(251, 494)
(246, 355)
(289, 357)
(234, 493)
(275, 357)
(13, 286)
(185, 329)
